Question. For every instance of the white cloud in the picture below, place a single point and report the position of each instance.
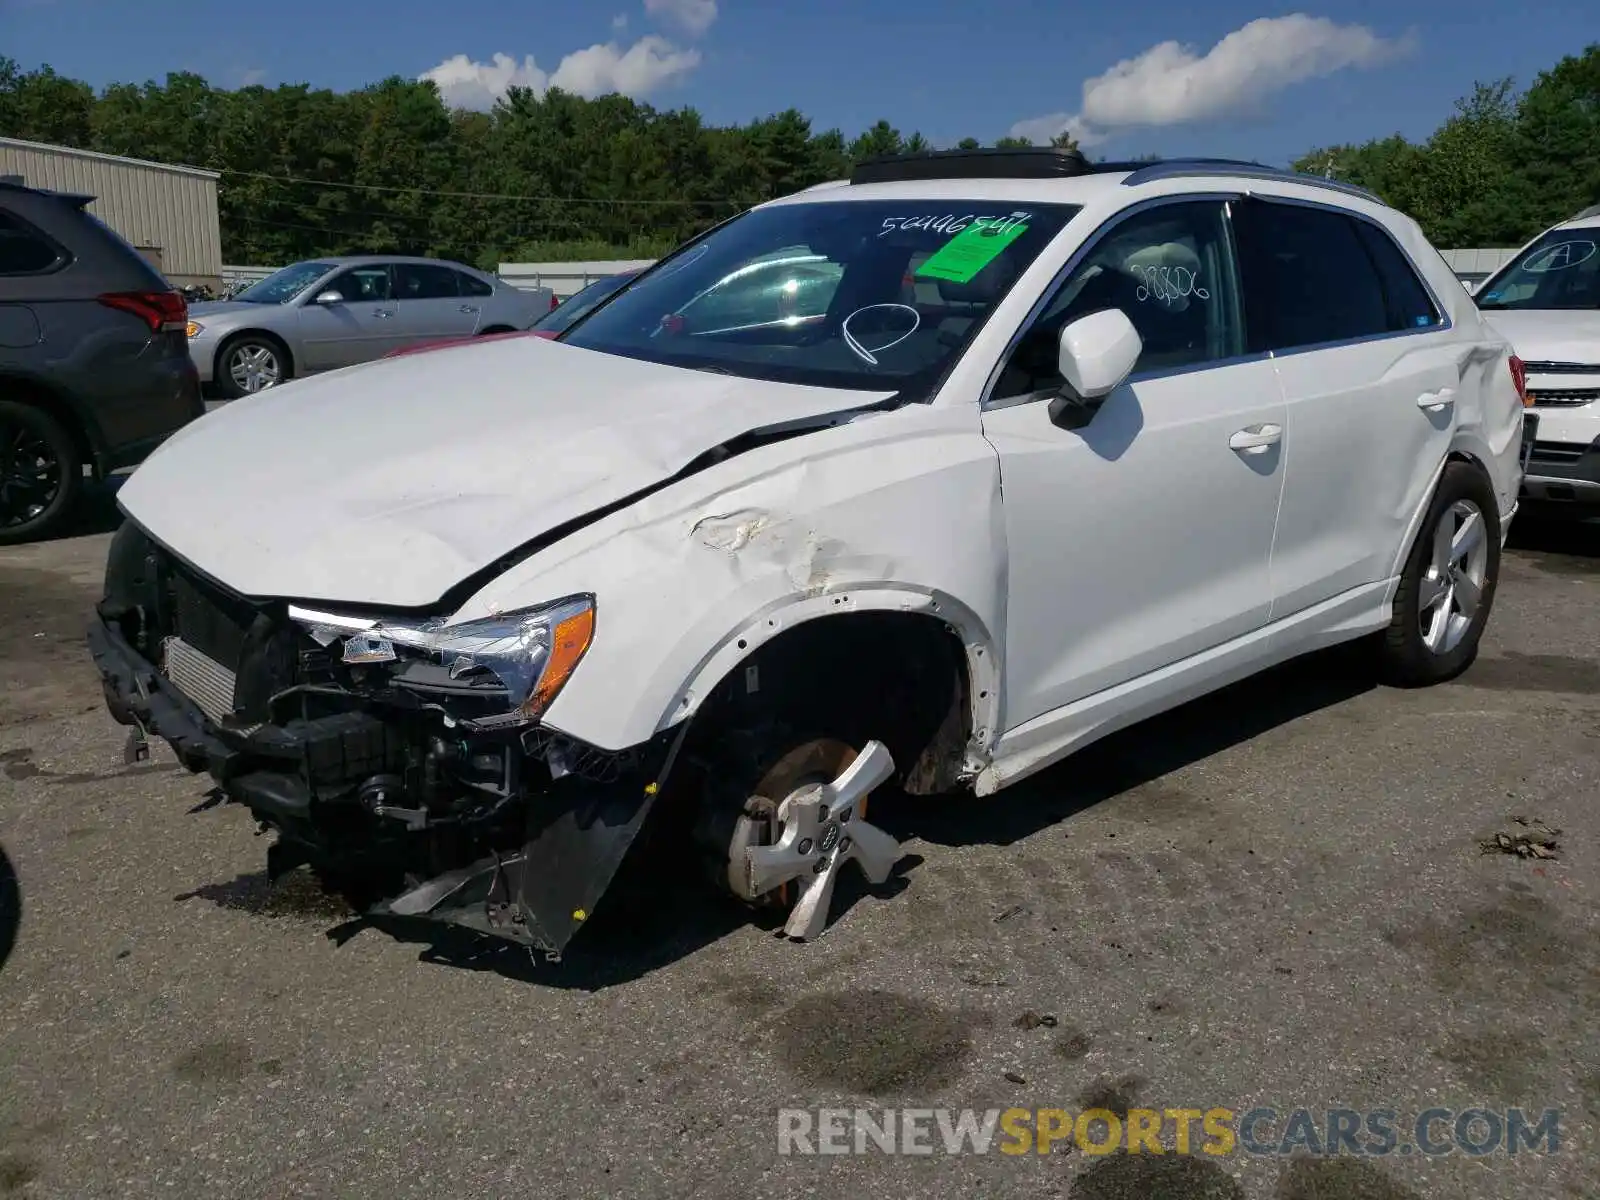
(695, 16)
(619, 23)
(600, 70)
(1169, 84)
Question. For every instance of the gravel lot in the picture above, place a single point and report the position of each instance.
(1275, 896)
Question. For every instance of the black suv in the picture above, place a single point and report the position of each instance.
(94, 360)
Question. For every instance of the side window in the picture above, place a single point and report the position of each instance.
(424, 281)
(1170, 270)
(1308, 278)
(23, 251)
(470, 285)
(360, 284)
(1410, 306)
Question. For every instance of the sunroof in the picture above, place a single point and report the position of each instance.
(1028, 162)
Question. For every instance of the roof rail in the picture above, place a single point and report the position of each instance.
(1175, 168)
(1026, 162)
(1592, 211)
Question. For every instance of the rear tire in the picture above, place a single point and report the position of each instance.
(41, 474)
(1447, 589)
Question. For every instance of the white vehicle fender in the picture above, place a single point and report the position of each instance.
(893, 511)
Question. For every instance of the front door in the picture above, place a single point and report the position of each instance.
(1144, 537)
(359, 326)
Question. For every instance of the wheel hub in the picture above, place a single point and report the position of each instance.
(830, 836)
(28, 470)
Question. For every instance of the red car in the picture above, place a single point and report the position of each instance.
(555, 323)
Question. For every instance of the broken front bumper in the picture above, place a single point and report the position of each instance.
(574, 828)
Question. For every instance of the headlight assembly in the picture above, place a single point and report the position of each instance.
(532, 651)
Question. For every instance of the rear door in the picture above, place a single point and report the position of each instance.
(1371, 372)
(358, 327)
(429, 304)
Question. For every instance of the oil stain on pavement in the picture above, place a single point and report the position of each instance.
(1505, 1063)
(1184, 1177)
(1338, 1179)
(1156, 1177)
(17, 1171)
(1517, 945)
(1116, 1096)
(297, 894)
(875, 1043)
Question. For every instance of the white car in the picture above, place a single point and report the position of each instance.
(1546, 302)
(1067, 445)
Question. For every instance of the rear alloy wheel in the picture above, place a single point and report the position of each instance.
(1448, 586)
(249, 365)
(41, 474)
(804, 819)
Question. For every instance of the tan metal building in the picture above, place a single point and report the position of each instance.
(168, 212)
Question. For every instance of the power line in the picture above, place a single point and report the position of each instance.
(374, 187)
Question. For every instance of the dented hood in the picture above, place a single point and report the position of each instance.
(389, 483)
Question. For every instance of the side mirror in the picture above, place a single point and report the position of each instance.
(329, 297)
(1095, 355)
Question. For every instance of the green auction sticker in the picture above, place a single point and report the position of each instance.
(970, 251)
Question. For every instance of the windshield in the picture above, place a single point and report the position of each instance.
(580, 302)
(284, 285)
(1560, 270)
(871, 295)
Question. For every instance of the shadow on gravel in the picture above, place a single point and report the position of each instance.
(97, 509)
(1558, 544)
(10, 908)
(652, 917)
(659, 910)
(1138, 757)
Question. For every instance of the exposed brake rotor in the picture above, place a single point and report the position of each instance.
(804, 822)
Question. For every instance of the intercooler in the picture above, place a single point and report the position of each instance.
(207, 683)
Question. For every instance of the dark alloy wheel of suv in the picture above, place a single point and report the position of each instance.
(94, 362)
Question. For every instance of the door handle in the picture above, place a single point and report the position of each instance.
(469, 308)
(1436, 401)
(1257, 439)
(383, 312)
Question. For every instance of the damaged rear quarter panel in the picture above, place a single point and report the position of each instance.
(896, 511)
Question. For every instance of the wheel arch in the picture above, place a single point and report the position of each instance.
(80, 427)
(1460, 451)
(918, 673)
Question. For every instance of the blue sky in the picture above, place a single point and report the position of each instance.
(1164, 77)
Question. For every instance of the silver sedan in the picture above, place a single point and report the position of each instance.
(336, 312)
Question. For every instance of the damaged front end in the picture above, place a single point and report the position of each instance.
(399, 756)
